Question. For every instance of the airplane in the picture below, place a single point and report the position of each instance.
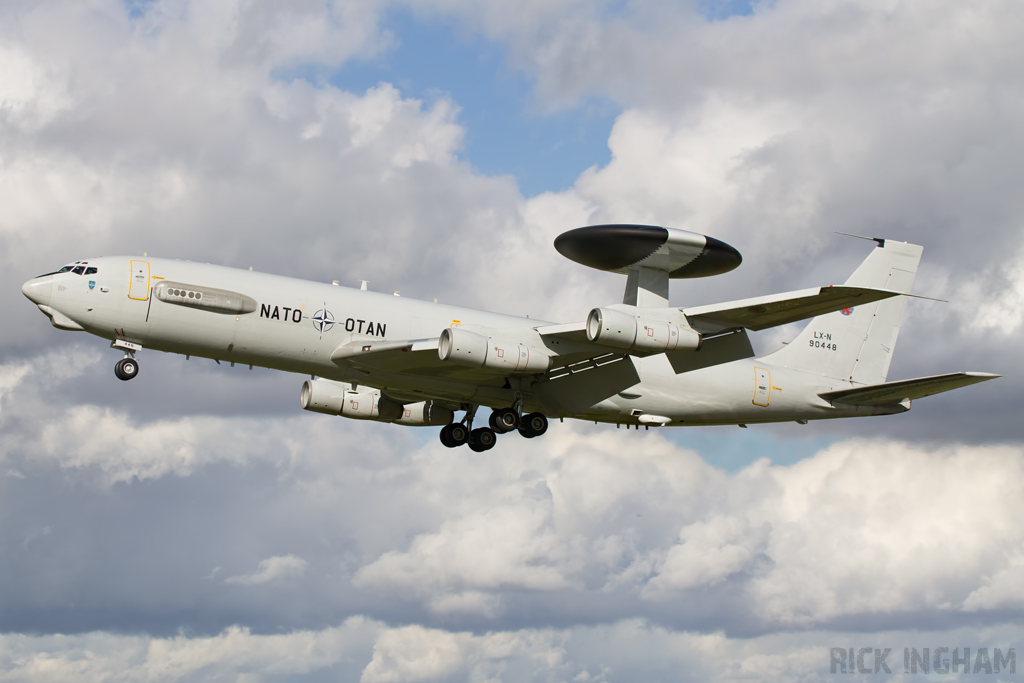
(374, 356)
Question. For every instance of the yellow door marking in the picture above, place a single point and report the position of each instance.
(762, 387)
(138, 286)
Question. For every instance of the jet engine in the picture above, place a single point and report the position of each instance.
(366, 403)
(475, 350)
(424, 414)
(626, 330)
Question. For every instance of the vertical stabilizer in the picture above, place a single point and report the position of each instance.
(856, 344)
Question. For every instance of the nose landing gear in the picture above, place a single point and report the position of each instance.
(126, 368)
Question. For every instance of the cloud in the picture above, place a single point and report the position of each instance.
(98, 656)
(272, 569)
(215, 131)
(580, 524)
(370, 651)
(29, 97)
(708, 553)
(414, 653)
(190, 119)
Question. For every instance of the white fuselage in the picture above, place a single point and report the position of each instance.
(295, 325)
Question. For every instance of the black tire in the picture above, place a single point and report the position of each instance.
(482, 439)
(533, 425)
(126, 369)
(504, 420)
(457, 434)
(444, 438)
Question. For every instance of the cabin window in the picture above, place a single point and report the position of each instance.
(78, 270)
(91, 271)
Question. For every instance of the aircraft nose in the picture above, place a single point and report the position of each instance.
(38, 290)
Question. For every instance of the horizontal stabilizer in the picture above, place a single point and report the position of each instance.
(895, 392)
(763, 312)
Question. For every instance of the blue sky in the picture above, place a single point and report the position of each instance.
(507, 131)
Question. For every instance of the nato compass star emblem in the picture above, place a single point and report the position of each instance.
(323, 321)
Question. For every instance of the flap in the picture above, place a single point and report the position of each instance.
(724, 348)
(895, 392)
(763, 312)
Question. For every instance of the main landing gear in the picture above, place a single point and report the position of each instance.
(126, 368)
(501, 421)
(458, 433)
(533, 425)
(454, 434)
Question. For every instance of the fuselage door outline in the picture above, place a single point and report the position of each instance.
(138, 287)
(762, 387)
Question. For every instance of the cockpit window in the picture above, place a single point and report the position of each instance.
(65, 269)
(91, 271)
(78, 270)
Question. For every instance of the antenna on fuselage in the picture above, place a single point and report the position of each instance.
(362, 285)
(648, 255)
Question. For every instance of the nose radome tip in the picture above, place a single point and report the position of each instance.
(37, 290)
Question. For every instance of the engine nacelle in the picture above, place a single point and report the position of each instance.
(340, 398)
(425, 414)
(463, 347)
(628, 331)
(365, 403)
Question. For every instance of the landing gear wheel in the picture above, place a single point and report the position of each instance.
(454, 435)
(504, 420)
(126, 368)
(482, 439)
(533, 425)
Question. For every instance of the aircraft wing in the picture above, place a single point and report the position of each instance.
(895, 392)
(570, 340)
(409, 357)
(763, 312)
(570, 344)
(416, 356)
(575, 351)
(352, 350)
